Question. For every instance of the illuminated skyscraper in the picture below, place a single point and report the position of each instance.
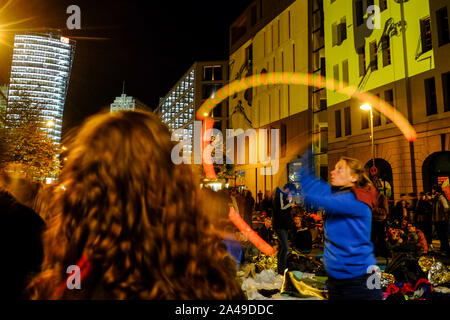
(40, 73)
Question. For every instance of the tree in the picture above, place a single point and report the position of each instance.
(24, 144)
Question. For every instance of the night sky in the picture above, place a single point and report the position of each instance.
(149, 45)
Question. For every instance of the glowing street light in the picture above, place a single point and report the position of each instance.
(50, 123)
(366, 107)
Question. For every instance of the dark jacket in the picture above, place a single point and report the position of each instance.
(282, 218)
(21, 242)
(440, 209)
(379, 212)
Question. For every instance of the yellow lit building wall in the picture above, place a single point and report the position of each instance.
(414, 12)
(280, 46)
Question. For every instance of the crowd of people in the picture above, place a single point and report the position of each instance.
(412, 224)
(140, 227)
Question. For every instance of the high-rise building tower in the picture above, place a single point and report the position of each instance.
(40, 74)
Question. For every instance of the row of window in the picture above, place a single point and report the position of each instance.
(360, 12)
(29, 80)
(431, 106)
(442, 30)
(388, 97)
(212, 73)
(31, 94)
(36, 87)
(44, 71)
(37, 64)
(430, 93)
(39, 39)
(40, 53)
(272, 46)
(339, 34)
(41, 59)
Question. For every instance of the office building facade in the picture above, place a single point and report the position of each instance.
(178, 108)
(40, 73)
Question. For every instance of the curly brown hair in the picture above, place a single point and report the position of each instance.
(135, 215)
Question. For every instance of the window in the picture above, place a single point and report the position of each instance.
(249, 54)
(446, 90)
(373, 56)
(386, 46)
(217, 111)
(337, 120)
(322, 67)
(334, 34)
(389, 98)
(342, 31)
(345, 71)
(383, 5)
(442, 23)
(209, 91)
(430, 94)
(336, 73)
(425, 27)
(364, 119)
(347, 122)
(359, 13)
(362, 61)
(212, 73)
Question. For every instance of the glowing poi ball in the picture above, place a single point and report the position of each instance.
(307, 79)
(251, 235)
(292, 78)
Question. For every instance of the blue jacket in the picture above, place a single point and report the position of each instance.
(348, 250)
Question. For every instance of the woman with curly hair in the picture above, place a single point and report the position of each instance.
(131, 219)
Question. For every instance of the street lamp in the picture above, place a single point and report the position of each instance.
(50, 123)
(366, 107)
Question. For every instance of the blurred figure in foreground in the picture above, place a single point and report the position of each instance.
(130, 219)
(20, 234)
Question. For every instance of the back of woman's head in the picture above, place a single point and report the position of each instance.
(136, 216)
(357, 169)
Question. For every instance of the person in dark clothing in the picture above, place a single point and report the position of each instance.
(282, 222)
(423, 216)
(22, 247)
(266, 231)
(401, 209)
(267, 204)
(248, 208)
(302, 238)
(260, 197)
(440, 215)
(378, 234)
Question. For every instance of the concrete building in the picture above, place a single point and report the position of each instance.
(40, 73)
(177, 109)
(402, 57)
(278, 36)
(125, 102)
